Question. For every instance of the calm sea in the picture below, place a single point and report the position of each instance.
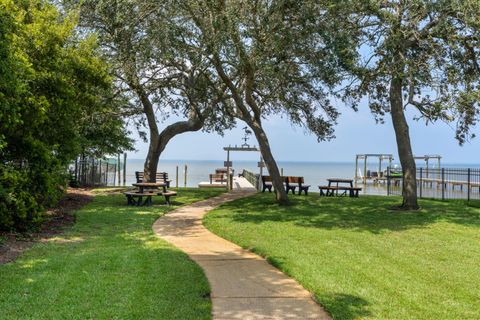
(315, 173)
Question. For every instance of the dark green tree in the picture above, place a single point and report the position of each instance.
(56, 101)
(416, 54)
(160, 79)
(270, 58)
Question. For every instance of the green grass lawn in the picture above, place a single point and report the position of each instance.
(363, 260)
(110, 265)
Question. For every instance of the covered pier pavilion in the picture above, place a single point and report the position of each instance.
(427, 159)
(381, 157)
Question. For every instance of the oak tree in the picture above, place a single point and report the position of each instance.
(270, 58)
(159, 78)
(416, 54)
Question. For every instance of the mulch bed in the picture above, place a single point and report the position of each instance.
(57, 220)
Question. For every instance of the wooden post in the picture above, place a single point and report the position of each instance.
(281, 172)
(356, 168)
(426, 170)
(261, 173)
(380, 166)
(229, 187)
(176, 178)
(124, 169)
(439, 165)
(185, 181)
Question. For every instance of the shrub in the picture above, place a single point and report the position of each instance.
(18, 206)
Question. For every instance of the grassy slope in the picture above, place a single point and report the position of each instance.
(362, 260)
(109, 266)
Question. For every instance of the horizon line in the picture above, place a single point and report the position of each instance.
(295, 161)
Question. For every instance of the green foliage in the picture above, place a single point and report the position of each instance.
(56, 101)
(271, 58)
(430, 47)
(161, 79)
(18, 207)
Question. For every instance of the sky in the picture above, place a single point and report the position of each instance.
(356, 133)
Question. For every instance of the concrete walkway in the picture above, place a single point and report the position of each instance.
(244, 286)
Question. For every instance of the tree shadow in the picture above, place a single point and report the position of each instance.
(371, 214)
(345, 306)
(340, 305)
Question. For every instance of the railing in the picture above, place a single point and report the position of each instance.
(253, 178)
(443, 183)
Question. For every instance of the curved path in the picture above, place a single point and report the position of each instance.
(244, 286)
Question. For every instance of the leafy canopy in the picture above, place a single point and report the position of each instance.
(431, 46)
(56, 101)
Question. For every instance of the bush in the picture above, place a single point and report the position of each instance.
(18, 207)
(24, 195)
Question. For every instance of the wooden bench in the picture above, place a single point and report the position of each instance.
(159, 177)
(169, 194)
(218, 177)
(134, 198)
(267, 183)
(330, 191)
(293, 182)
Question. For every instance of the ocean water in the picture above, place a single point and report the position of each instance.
(314, 173)
(199, 170)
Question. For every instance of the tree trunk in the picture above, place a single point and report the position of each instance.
(270, 162)
(404, 146)
(158, 143)
(151, 162)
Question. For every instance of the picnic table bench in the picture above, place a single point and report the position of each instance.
(267, 183)
(293, 182)
(135, 198)
(217, 177)
(332, 190)
(148, 190)
(161, 177)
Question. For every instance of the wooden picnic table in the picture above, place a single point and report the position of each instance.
(338, 181)
(148, 190)
(330, 190)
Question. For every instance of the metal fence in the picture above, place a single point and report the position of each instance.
(90, 172)
(442, 183)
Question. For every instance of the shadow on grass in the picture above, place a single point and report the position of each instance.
(343, 306)
(368, 213)
(346, 306)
